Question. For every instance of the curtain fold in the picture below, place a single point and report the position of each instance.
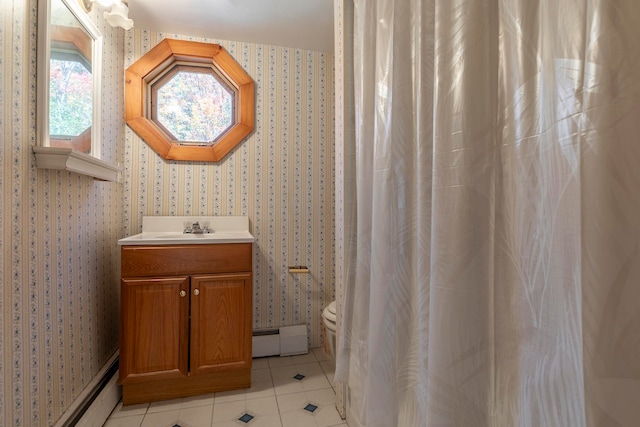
(497, 261)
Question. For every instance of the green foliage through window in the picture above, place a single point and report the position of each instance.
(195, 106)
(70, 98)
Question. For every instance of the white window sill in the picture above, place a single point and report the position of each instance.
(74, 161)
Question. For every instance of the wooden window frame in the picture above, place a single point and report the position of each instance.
(161, 59)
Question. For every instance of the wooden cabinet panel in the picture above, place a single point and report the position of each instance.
(154, 328)
(140, 261)
(185, 320)
(220, 322)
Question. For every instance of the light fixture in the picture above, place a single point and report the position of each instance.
(116, 12)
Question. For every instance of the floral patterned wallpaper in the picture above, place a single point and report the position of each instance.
(58, 240)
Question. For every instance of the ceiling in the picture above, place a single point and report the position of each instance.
(304, 24)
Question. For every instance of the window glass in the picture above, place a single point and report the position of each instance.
(70, 95)
(194, 106)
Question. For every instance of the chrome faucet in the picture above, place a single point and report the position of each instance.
(196, 229)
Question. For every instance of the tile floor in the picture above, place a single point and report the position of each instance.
(293, 391)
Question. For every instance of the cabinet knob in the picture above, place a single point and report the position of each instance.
(196, 292)
(183, 294)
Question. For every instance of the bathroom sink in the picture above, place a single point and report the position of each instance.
(180, 238)
(183, 236)
(189, 236)
(160, 230)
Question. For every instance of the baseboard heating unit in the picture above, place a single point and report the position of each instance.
(283, 341)
(95, 403)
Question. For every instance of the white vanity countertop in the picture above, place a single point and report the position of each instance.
(168, 230)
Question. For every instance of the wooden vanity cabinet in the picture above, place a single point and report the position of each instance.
(185, 320)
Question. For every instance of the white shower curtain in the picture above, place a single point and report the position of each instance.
(497, 238)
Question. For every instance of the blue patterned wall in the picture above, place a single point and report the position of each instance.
(58, 234)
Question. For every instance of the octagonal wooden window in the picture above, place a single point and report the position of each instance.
(189, 100)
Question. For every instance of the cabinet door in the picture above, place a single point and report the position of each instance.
(154, 328)
(220, 322)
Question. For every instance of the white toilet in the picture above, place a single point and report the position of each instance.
(329, 320)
